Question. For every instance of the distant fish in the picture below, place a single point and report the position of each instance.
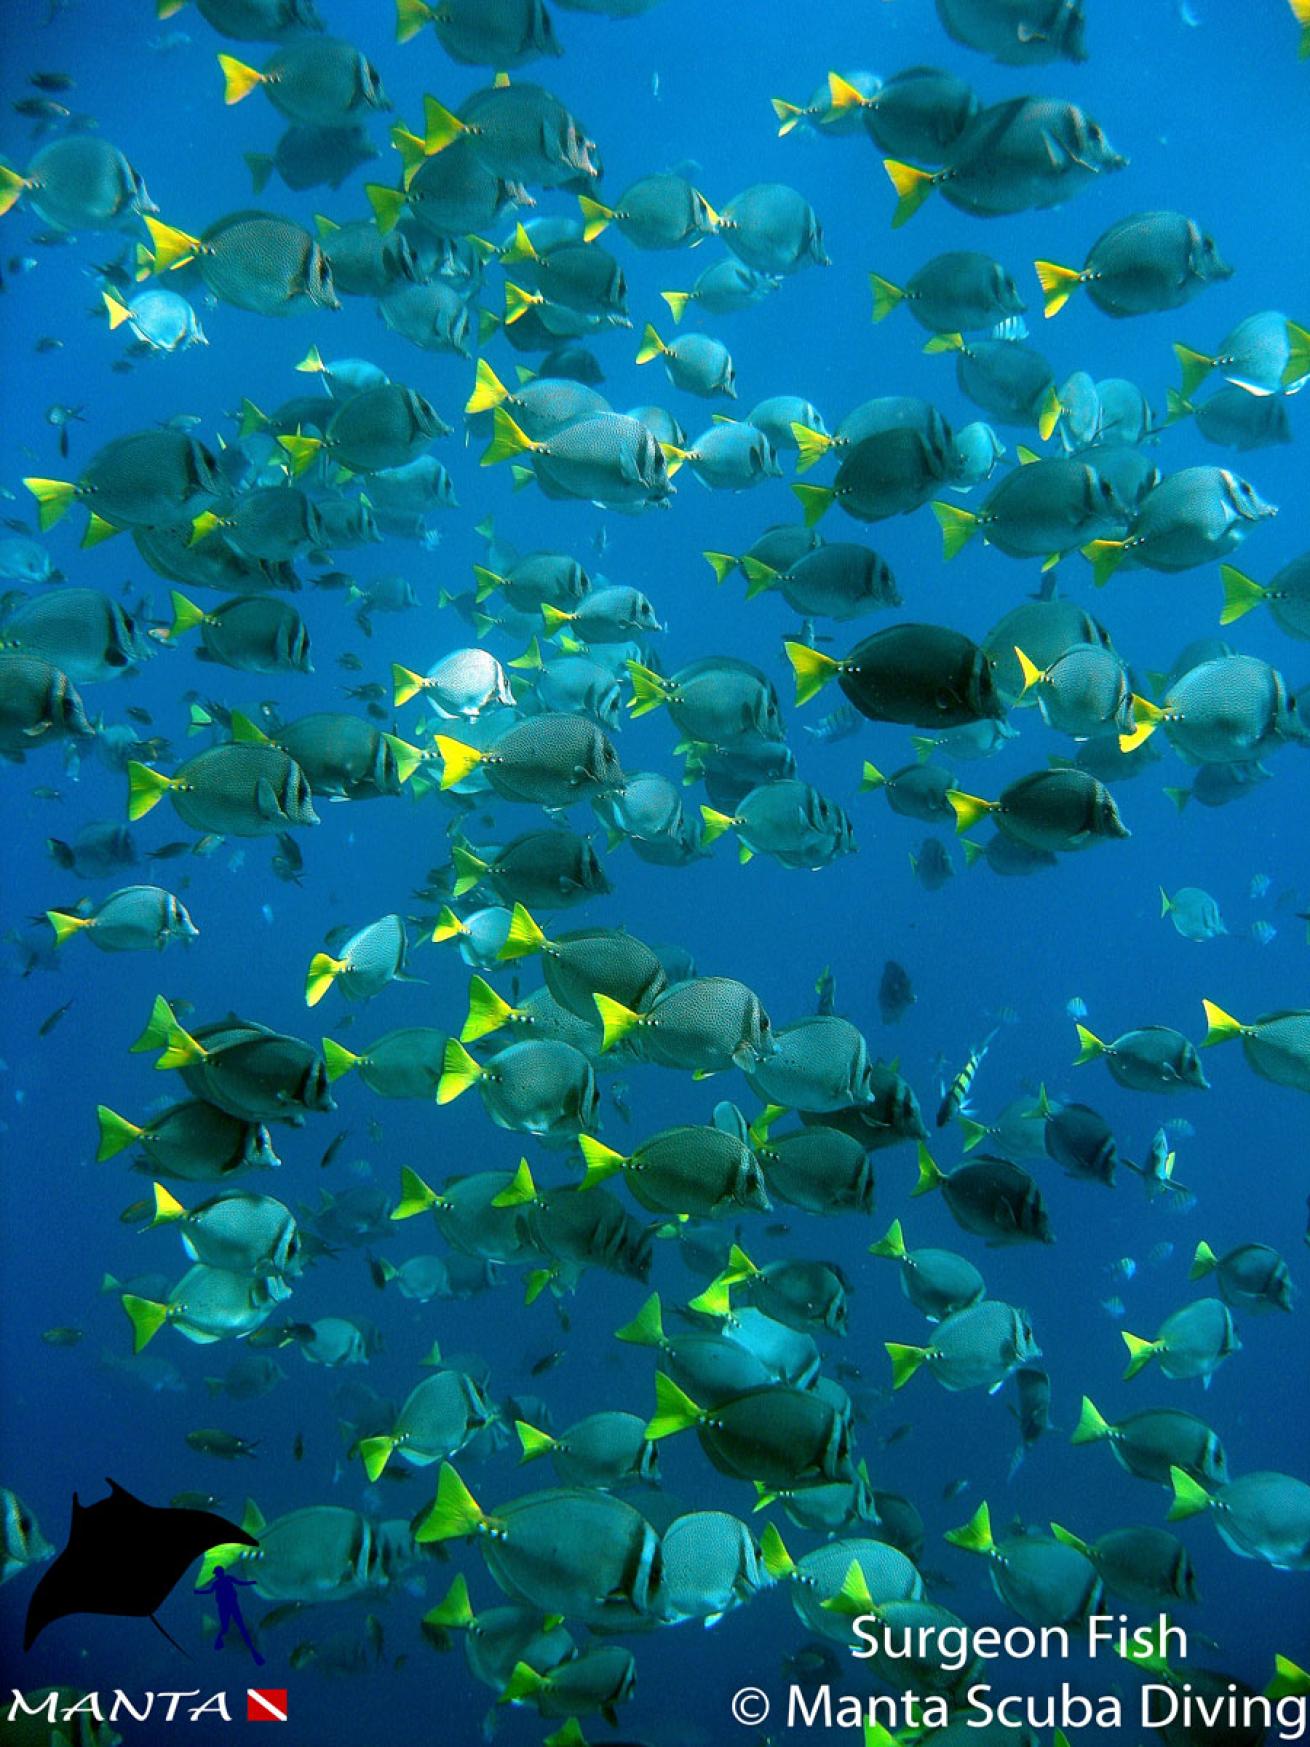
(1114, 1307)
(840, 725)
(1076, 1007)
(956, 1095)
(1159, 1254)
(1260, 884)
(1033, 1411)
(1263, 932)
(1125, 1267)
(48, 1024)
(895, 992)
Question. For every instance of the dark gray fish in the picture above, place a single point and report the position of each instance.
(1033, 1411)
(895, 992)
(48, 1024)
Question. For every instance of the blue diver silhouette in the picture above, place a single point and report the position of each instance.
(224, 1591)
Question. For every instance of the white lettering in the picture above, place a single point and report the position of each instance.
(123, 1703)
(799, 1716)
(1158, 1717)
(45, 1708)
(850, 1712)
(1290, 1712)
(1064, 1709)
(217, 1703)
(88, 1705)
(175, 1698)
(1160, 1640)
(862, 1626)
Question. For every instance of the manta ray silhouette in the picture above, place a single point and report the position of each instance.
(124, 1557)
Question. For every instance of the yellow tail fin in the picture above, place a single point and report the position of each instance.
(886, 296)
(1241, 594)
(116, 1133)
(1090, 1046)
(118, 310)
(508, 440)
(815, 500)
(617, 1021)
(715, 825)
(323, 972)
(187, 616)
(405, 684)
(1105, 556)
(958, 527)
(601, 1161)
(457, 760)
(487, 1011)
(66, 925)
(441, 128)
(812, 668)
(239, 79)
(1147, 717)
(1032, 674)
(145, 788)
(488, 390)
(53, 497)
(387, 204)
(411, 16)
(811, 445)
(1058, 285)
(652, 346)
(595, 217)
(1140, 1353)
(905, 1361)
(525, 936)
(1195, 367)
(147, 1318)
(337, 1059)
(301, 451)
(968, 809)
(459, 1072)
(1220, 1026)
(843, 95)
(173, 248)
(11, 187)
(649, 691)
(913, 186)
(789, 115)
(518, 302)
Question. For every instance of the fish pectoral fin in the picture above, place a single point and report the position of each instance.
(267, 804)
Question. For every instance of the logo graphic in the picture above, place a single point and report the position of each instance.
(124, 1557)
(266, 1704)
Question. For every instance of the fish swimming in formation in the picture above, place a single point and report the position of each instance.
(477, 756)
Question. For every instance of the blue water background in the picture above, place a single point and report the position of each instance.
(1215, 121)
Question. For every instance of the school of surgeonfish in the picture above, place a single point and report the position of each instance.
(542, 722)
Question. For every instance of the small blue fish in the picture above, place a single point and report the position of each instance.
(1076, 1007)
(1114, 1307)
(1263, 932)
(840, 725)
(1260, 884)
(1159, 1254)
(1125, 1267)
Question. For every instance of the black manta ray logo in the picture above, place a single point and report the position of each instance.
(124, 1557)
